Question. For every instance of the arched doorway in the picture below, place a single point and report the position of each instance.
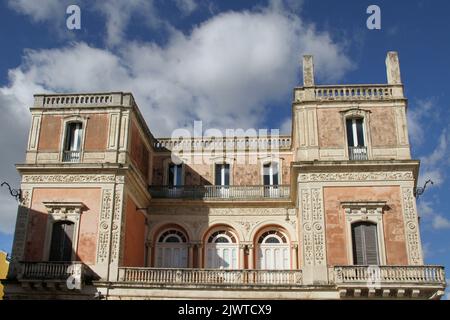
(222, 250)
(172, 250)
(273, 251)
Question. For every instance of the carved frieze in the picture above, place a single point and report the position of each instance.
(356, 176)
(411, 227)
(69, 178)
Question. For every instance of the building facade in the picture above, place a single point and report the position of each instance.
(329, 212)
(4, 264)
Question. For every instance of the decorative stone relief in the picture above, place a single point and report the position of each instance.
(411, 227)
(21, 226)
(69, 178)
(312, 221)
(356, 176)
(117, 225)
(104, 226)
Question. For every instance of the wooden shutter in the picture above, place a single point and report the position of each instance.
(350, 140)
(365, 244)
(360, 132)
(61, 244)
(371, 244)
(218, 180)
(358, 244)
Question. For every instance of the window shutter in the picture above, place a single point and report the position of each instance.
(370, 240)
(266, 171)
(171, 175)
(218, 181)
(358, 244)
(360, 132)
(227, 174)
(61, 244)
(365, 244)
(350, 140)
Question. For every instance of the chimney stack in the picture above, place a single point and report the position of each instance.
(393, 68)
(308, 71)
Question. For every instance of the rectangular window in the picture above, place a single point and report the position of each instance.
(270, 171)
(355, 132)
(222, 174)
(175, 174)
(73, 136)
(365, 244)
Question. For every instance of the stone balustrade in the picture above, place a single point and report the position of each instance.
(229, 143)
(211, 276)
(389, 274)
(349, 92)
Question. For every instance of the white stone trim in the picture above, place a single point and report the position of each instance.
(369, 211)
(67, 120)
(62, 211)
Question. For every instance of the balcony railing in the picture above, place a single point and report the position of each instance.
(211, 276)
(221, 192)
(389, 274)
(50, 270)
(357, 153)
(354, 92)
(71, 156)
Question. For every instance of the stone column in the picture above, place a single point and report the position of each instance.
(308, 71)
(312, 233)
(251, 256)
(191, 255)
(20, 233)
(149, 245)
(200, 255)
(294, 251)
(393, 68)
(242, 256)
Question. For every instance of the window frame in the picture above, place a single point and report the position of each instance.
(279, 162)
(60, 212)
(64, 130)
(357, 113)
(370, 211)
(166, 166)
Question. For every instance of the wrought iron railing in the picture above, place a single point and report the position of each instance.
(71, 156)
(221, 192)
(50, 270)
(357, 153)
(210, 276)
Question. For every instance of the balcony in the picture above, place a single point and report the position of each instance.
(389, 281)
(214, 192)
(50, 274)
(357, 153)
(71, 156)
(211, 277)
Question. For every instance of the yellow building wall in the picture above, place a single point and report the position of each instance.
(3, 271)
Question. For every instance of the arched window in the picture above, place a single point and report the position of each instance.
(273, 251)
(61, 241)
(172, 250)
(222, 250)
(72, 144)
(365, 243)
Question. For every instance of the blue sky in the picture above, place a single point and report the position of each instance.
(167, 52)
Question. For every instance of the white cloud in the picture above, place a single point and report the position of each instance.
(225, 72)
(440, 222)
(186, 6)
(42, 10)
(417, 117)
